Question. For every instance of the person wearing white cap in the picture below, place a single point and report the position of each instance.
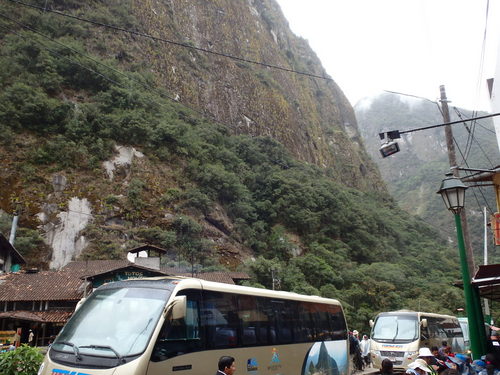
(418, 367)
(426, 355)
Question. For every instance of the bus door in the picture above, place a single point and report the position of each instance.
(179, 335)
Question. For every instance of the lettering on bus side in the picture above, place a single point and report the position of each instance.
(57, 371)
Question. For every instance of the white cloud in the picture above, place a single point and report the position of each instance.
(409, 46)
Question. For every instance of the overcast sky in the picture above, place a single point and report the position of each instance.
(408, 46)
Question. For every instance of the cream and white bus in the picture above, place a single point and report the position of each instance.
(397, 335)
(168, 325)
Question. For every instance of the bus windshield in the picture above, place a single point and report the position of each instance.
(115, 323)
(392, 328)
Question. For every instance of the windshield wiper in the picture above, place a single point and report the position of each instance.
(397, 330)
(75, 348)
(140, 333)
(118, 356)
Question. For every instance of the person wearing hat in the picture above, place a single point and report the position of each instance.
(418, 367)
(426, 355)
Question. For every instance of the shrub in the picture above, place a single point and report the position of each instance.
(24, 107)
(134, 193)
(24, 360)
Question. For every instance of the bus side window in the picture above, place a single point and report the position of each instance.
(180, 336)
(303, 331)
(337, 322)
(220, 322)
(251, 319)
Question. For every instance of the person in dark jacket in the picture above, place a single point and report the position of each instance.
(226, 366)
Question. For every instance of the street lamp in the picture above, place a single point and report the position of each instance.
(452, 191)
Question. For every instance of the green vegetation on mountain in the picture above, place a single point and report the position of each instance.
(216, 199)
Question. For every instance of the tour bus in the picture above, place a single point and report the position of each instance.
(173, 325)
(397, 335)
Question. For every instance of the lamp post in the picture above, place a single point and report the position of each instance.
(452, 191)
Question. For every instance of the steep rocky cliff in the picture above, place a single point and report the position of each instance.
(310, 116)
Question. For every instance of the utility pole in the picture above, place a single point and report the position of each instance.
(453, 163)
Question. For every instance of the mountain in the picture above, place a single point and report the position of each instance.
(414, 175)
(132, 122)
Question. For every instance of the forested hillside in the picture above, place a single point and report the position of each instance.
(72, 101)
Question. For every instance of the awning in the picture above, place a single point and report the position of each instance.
(487, 281)
(53, 316)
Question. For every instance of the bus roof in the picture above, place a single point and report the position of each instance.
(420, 314)
(186, 282)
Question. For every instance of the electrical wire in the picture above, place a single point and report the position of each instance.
(485, 128)
(172, 42)
(483, 53)
(410, 95)
(473, 138)
(59, 55)
(83, 55)
(473, 191)
(143, 84)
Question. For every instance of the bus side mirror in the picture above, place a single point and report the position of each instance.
(80, 303)
(372, 323)
(423, 322)
(179, 307)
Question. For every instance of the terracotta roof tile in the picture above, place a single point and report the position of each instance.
(239, 275)
(39, 316)
(220, 277)
(41, 286)
(93, 267)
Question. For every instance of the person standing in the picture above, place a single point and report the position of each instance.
(442, 349)
(31, 337)
(365, 349)
(226, 366)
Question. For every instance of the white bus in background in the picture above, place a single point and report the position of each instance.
(397, 335)
(171, 325)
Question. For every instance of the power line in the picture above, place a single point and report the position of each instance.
(79, 53)
(57, 53)
(483, 51)
(473, 138)
(448, 123)
(413, 96)
(473, 191)
(145, 85)
(180, 44)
